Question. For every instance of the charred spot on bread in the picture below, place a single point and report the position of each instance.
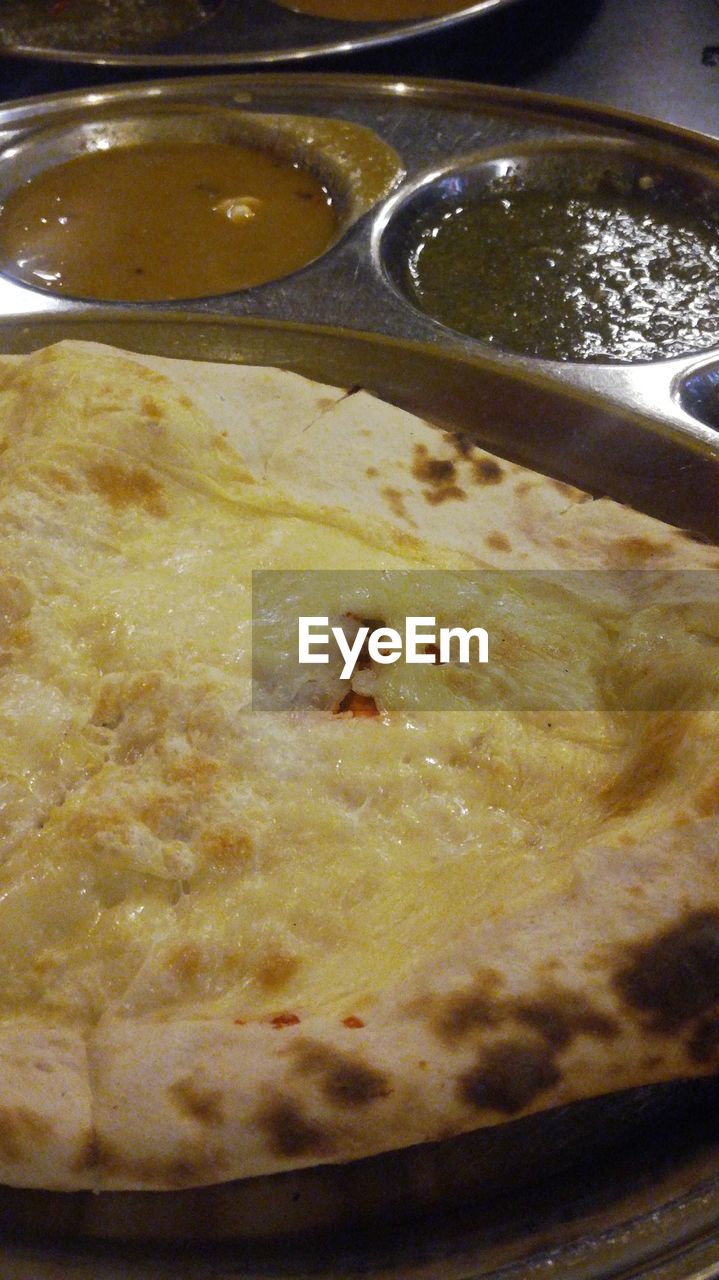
(561, 1015)
(634, 549)
(395, 501)
(445, 493)
(487, 471)
(673, 977)
(509, 1076)
(652, 758)
(88, 1156)
(434, 471)
(462, 443)
(290, 1132)
(275, 968)
(439, 474)
(498, 541)
(191, 1163)
(152, 409)
(557, 1014)
(127, 486)
(202, 1105)
(20, 1130)
(344, 1079)
(704, 1043)
(461, 1013)
(569, 491)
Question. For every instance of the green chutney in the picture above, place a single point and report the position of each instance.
(604, 275)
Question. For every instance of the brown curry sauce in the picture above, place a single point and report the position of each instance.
(158, 222)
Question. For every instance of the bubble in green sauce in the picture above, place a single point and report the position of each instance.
(605, 275)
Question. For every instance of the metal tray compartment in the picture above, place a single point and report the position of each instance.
(355, 166)
(421, 128)
(657, 178)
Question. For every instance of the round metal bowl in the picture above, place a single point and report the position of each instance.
(556, 171)
(354, 165)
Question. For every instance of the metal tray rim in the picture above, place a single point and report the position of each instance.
(347, 40)
(541, 106)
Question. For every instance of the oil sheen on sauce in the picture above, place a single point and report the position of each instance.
(158, 222)
(604, 275)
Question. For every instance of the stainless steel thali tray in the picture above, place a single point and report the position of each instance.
(646, 1204)
(216, 32)
(422, 126)
(627, 1186)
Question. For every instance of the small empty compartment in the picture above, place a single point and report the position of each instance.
(698, 394)
(592, 249)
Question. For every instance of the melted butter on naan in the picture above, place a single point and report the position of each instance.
(165, 848)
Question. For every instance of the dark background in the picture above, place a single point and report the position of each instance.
(654, 57)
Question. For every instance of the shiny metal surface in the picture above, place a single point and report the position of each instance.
(425, 123)
(626, 1186)
(245, 33)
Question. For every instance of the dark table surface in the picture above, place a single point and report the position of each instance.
(654, 57)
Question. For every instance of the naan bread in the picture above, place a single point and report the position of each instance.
(237, 942)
